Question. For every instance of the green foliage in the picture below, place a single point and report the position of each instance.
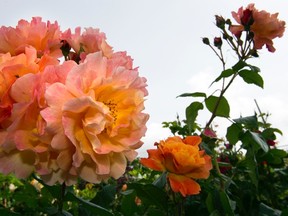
(219, 106)
(249, 175)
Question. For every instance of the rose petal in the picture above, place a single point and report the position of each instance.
(183, 184)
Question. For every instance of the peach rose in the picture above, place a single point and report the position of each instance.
(44, 37)
(24, 145)
(90, 41)
(183, 160)
(14, 67)
(264, 25)
(77, 119)
(95, 119)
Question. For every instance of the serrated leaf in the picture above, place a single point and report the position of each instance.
(192, 113)
(219, 106)
(194, 94)
(252, 77)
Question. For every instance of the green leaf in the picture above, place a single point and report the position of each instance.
(252, 77)
(150, 194)
(233, 133)
(227, 204)
(250, 122)
(224, 74)
(250, 166)
(218, 201)
(279, 153)
(105, 196)
(128, 205)
(257, 139)
(205, 146)
(269, 133)
(275, 156)
(209, 202)
(93, 208)
(254, 68)
(194, 94)
(192, 113)
(267, 210)
(54, 190)
(220, 104)
(161, 181)
(239, 65)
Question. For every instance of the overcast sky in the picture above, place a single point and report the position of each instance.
(164, 39)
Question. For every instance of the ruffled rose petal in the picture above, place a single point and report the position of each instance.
(192, 140)
(154, 160)
(17, 162)
(184, 185)
(118, 165)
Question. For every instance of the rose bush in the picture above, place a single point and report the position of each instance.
(72, 118)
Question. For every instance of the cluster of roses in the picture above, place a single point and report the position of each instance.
(72, 107)
(183, 158)
(69, 105)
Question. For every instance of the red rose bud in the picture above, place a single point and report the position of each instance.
(220, 22)
(209, 133)
(271, 142)
(228, 146)
(218, 42)
(247, 19)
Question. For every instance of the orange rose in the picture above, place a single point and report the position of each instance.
(183, 160)
(264, 25)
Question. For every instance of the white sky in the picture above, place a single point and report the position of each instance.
(164, 39)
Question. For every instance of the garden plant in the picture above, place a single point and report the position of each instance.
(72, 117)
